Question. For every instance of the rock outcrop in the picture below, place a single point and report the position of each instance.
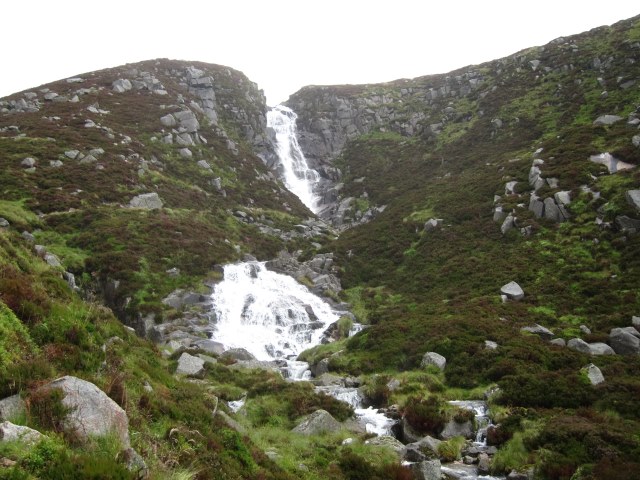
(91, 411)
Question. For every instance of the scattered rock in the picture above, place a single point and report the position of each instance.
(539, 330)
(579, 345)
(168, 121)
(490, 345)
(204, 164)
(4, 223)
(240, 354)
(612, 163)
(185, 153)
(606, 120)
(11, 433)
(594, 374)
(624, 342)
(190, 365)
(318, 422)
(121, 85)
(28, 162)
(432, 224)
(633, 198)
(599, 348)
(12, 407)
(134, 463)
(387, 441)
(559, 342)
(91, 411)
(627, 225)
(484, 464)
(433, 358)
(427, 470)
(512, 291)
(149, 201)
(210, 346)
(455, 429)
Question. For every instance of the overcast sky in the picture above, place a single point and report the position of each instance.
(284, 44)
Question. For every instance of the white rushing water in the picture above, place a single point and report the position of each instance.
(298, 177)
(270, 315)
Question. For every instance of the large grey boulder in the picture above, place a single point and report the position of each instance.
(318, 422)
(149, 201)
(512, 291)
(12, 407)
(11, 433)
(433, 358)
(190, 365)
(623, 342)
(91, 411)
(593, 374)
(427, 470)
(455, 429)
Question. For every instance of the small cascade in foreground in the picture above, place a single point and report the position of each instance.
(371, 418)
(269, 314)
(458, 470)
(298, 177)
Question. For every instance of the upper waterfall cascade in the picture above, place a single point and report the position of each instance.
(298, 177)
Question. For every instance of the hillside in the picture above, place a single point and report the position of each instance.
(125, 190)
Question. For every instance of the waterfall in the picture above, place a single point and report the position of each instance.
(298, 177)
(270, 315)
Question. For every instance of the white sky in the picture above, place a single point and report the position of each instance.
(284, 44)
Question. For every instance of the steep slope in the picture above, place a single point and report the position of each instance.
(96, 156)
(490, 174)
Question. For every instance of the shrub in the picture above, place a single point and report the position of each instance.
(449, 450)
(45, 408)
(426, 415)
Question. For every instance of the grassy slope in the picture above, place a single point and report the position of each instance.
(438, 290)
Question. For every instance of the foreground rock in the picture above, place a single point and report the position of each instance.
(11, 433)
(91, 411)
(318, 422)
